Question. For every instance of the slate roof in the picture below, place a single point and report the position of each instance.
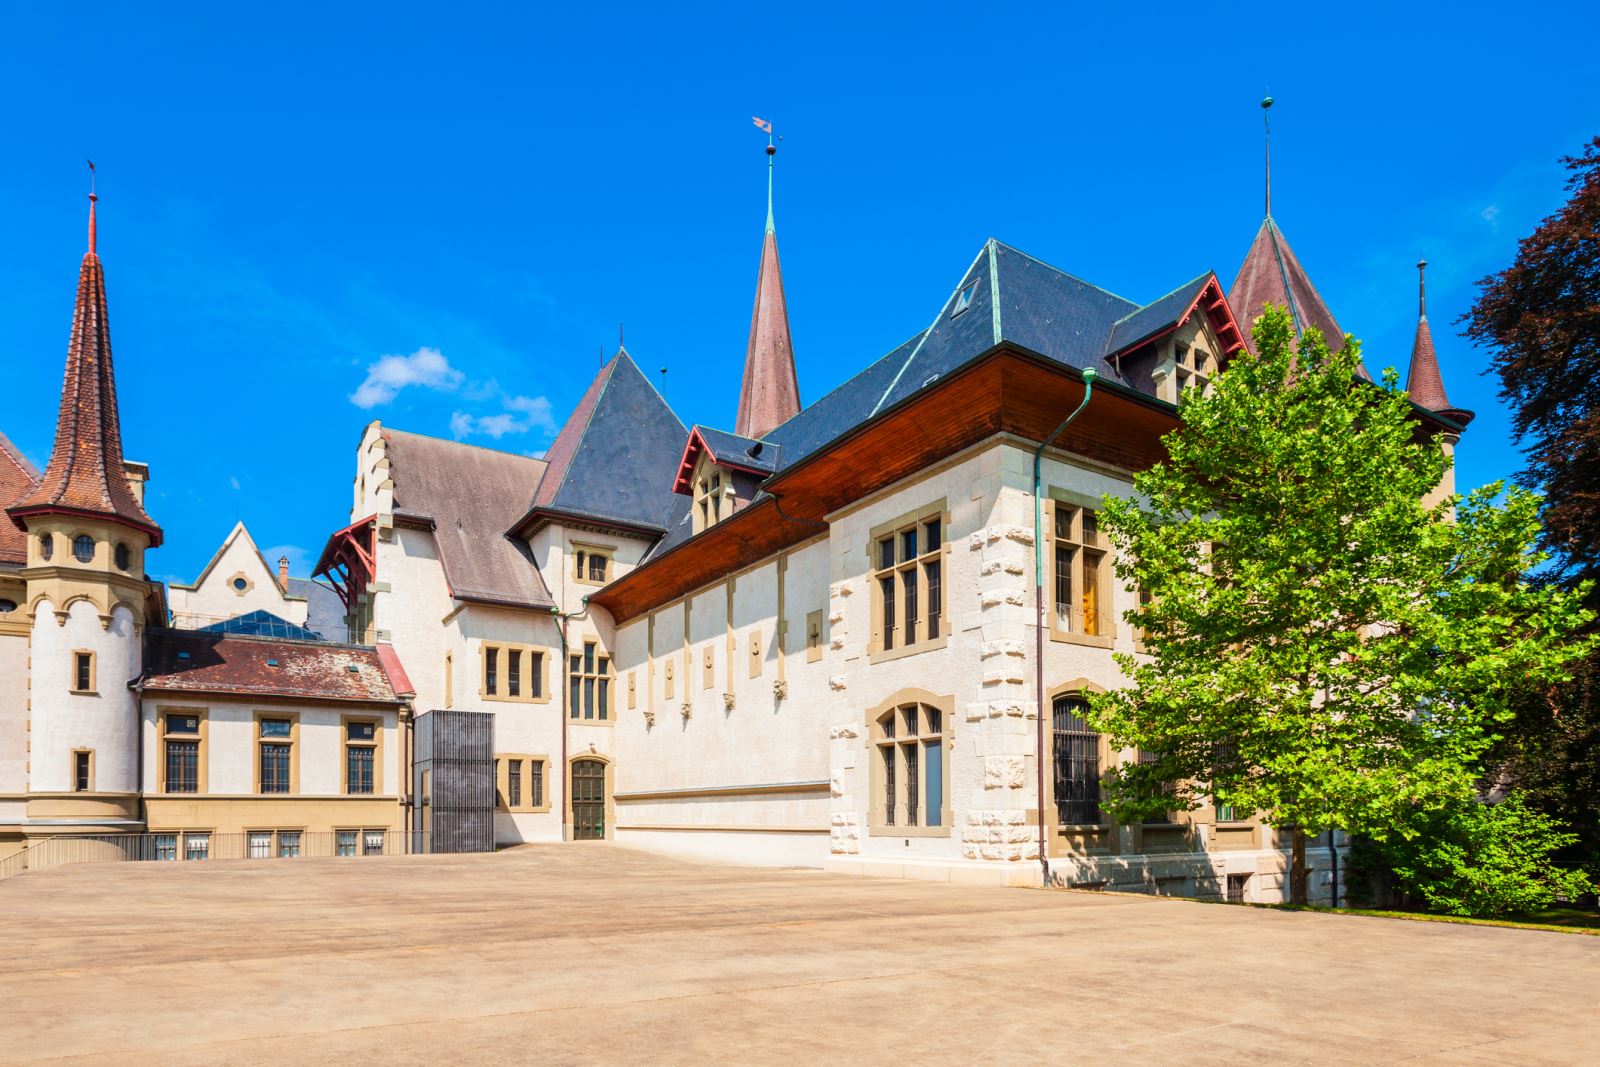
(17, 479)
(237, 664)
(324, 610)
(729, 450)
(469, 496)
(615, 459)
(1005, 296)
(86, 472)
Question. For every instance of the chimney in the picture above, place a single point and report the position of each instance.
(283, 573)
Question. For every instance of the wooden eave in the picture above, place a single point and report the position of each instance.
(1007, 390)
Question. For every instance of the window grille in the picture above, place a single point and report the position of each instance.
(1077, 763)
(274, 768)
(910, 744)
(514, 784)
(358, 769)
(536, 783)
(183, 766)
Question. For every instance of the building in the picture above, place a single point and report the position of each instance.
(231, 729)
(809, 640)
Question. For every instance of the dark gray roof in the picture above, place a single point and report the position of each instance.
(617, 456)
(1039, 308)
(470, 496)
(1153, 318)
(733, 450)
(324, 610)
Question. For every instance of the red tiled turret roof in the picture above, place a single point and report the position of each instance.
(1424, 382)
(770, 395)
(86, 474)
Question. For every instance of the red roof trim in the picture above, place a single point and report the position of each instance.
(389, 659)
(691, 456)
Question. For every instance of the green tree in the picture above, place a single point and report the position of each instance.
(1325, 648)
(1540, 321)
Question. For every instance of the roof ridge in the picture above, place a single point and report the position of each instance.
(1174, 291)
(1064, 273)
(461, 443)
(938, 315)
(659, 394)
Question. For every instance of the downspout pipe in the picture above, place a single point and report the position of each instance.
(1089, 375)
(562, 618)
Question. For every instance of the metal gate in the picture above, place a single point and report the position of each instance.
(588, 800)
(453, 781)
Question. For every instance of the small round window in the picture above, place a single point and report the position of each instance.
(241, 583)
(122, 557)
(7, 606)
(83, 548)
(47, 546)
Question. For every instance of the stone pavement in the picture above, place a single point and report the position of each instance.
(596, 954)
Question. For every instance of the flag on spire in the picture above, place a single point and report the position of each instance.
(762, 124)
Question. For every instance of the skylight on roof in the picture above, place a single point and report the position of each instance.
(964, 298)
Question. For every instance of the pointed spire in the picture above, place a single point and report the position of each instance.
(1424, 382)
(86, 474)
(770, 395)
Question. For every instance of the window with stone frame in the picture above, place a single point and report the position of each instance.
(589, 684)
(276, 754)
(1168, 789)
(1083, 574)
(182, 752)
(1077, 762)
(908, 584)
(709, 496)
(591, 564)
(361, 757)
(1226, 771)
(909, 773)
(513, 672)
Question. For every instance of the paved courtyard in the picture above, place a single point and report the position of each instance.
(574, 954)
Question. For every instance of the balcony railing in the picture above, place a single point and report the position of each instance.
(182, 847)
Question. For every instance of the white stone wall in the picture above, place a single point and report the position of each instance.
(214, 597)
(106, 721)
(13, 722)
(231, 744)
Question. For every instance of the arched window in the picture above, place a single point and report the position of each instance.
(122, 556)
(83, 548)
(1077, 762)
(47, 546)
(909, 762)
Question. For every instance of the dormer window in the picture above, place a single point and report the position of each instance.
(1193, 368)
(591, 563)
(708, 497)
(964, 299)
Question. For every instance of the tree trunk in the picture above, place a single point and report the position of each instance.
(1297, 868)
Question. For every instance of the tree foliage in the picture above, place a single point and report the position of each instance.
(1325, 647)
(1540, 318)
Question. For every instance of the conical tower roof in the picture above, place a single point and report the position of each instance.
(770, 395)
(1424, 382)
(1271, 274)
(86, 474)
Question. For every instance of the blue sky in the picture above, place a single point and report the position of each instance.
(479, 194)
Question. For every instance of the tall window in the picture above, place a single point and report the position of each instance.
(592, 566)
(360, 757)
(82, 776)
(536, 783)
(1082, 579)
(589, 693)
(908, 580)
(513, 672)
(1224, 760)
(910, 756)
(1145, 759)
(83, 672)
(1077, 763)
(182, 742)
(514, 784)
(277, 750)
(519, 782)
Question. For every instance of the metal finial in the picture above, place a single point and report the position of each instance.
(1422, 288)
(92, 201)
(1266, 125)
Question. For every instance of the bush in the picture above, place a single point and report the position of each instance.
(1484, 860)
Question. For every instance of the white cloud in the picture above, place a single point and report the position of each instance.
(523, 414)
(235, 483)
(426, 367)
(1490, 213)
